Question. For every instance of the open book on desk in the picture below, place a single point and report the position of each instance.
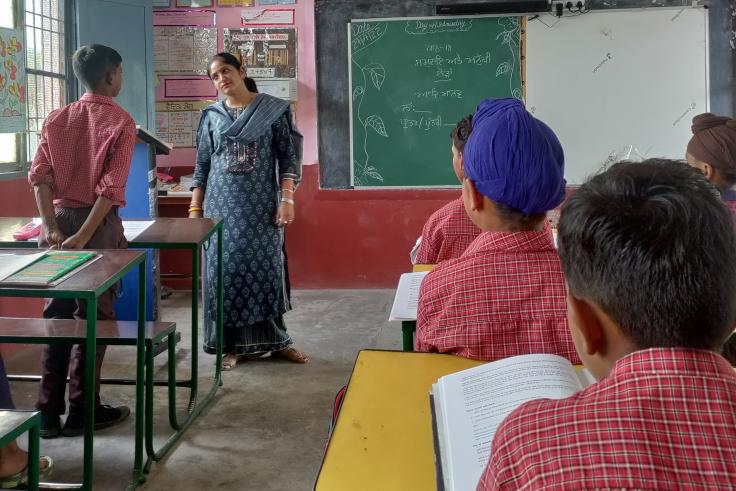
(407, 297)
(45, 269)
(468, 406)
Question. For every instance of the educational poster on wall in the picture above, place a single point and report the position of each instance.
(12, 81)
(194, 3)
(177, 121)
(267, 52)
(269, 17)
(276, 2)
(183, 49)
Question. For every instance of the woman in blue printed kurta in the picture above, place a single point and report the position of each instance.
(248, 165)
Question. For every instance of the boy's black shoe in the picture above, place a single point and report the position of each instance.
(105, 416)
(50, 425)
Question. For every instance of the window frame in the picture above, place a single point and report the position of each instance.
(23, 159)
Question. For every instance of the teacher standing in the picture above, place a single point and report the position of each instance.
(248, 165)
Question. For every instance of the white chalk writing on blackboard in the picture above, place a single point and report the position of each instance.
(434, 26)
(363, 35)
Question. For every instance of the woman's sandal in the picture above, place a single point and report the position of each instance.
(291, 354)
(229, 361)
(19, 480)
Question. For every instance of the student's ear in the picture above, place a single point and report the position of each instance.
(476, 199)
(586, 325)
(709, 171)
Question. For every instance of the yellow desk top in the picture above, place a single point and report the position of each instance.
(422, 267)
(383, 436)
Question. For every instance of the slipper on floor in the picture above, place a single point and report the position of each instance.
(20, 479)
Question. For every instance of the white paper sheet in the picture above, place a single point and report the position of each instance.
(407, 297)
(133, 228)
(12, 263)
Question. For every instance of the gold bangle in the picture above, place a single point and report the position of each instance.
(287, 200)
(287, 189)
(195, 204)
(195, 209)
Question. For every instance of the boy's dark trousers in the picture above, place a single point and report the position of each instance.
(55, 359)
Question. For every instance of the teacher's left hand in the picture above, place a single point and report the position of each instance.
(285, 215)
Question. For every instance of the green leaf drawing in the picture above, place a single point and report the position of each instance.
(504, 67)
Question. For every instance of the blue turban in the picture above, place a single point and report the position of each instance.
(513, 158)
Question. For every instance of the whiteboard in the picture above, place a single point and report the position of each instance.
(618, 84)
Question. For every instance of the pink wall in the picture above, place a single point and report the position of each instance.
(306, 111)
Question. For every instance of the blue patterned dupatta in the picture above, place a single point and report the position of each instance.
(255, 119)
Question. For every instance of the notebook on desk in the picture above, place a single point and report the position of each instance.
(43, 269)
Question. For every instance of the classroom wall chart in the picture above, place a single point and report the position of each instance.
(12, 81)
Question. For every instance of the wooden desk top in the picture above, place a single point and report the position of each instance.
(171, 233)
(383, 436)
(175, 233)
(89, 282)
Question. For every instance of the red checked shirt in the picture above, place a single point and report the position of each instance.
(663, 419)
(447, 233)
(504, 296)
(85, 152)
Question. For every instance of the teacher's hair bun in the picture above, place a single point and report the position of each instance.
(706, 121)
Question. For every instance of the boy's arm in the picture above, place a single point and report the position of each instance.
(99, 210)
(45, 205)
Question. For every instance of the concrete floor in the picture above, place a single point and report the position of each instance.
(266, 429)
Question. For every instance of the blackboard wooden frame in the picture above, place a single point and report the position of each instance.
(332, 16)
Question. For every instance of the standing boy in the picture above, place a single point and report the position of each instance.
(649, 255)
(505, 295)
(79, 176)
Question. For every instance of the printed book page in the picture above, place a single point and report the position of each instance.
(472, 403)
(407, 297)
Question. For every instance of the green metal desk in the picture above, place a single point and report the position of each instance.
(12, 425)
(88, 284)
(191, 234)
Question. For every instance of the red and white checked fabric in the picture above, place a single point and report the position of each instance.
(504, 296)
(664, 419)
(85, 152)
(447, 233)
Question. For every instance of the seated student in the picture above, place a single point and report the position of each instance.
(712, 149)
(505, 295)
(649, 254)
(449, 230)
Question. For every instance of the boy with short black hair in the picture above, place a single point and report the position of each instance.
(449, 230)
(79, 175)
(649, 255)
(505, 295)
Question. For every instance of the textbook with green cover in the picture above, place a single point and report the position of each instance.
(48, 268)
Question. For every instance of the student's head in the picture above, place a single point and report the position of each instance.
(514, 168)
(99, 68)
(649, 254)
(227, 74)
(712, 149)
(459, 135)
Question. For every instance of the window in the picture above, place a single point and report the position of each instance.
(47, 82)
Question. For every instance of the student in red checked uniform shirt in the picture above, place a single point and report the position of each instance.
(79, 175)
(649, 254)
(449, 230)
(505, 295)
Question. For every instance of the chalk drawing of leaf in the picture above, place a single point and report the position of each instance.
(358, 91)
(504, 67)
(375, 122)
(375, 175)
(377, 73)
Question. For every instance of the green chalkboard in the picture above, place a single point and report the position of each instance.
(411, 80)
